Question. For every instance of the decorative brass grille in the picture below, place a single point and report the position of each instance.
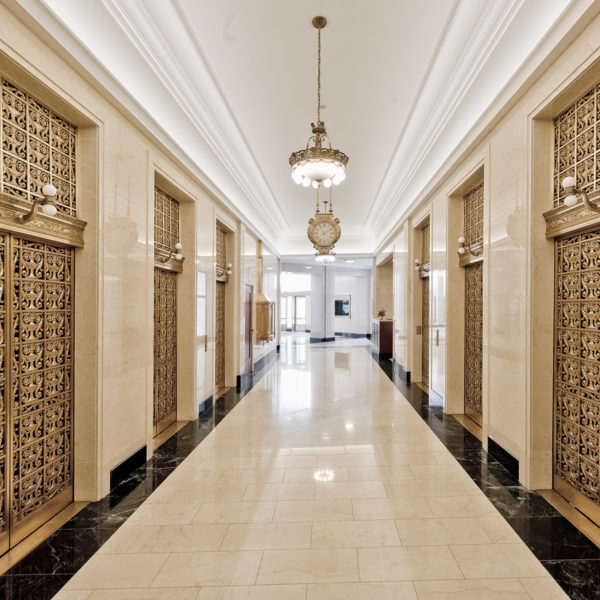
(38, 147)
(474, 341)
(166, 221)
(220, 336)
(425, 330)
(221, 248)
(577, 145)
(473, 217)
(577, 356)
(4, 404)
(165, 349)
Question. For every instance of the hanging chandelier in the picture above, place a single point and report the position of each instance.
(319, 164)
(324, 231)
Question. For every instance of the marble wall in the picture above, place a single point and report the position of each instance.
(518, 264)
(118, 164)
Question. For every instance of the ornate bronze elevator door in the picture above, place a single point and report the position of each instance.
(425, 330)
(36, 404)
(474, 341)
(220, 337)
(165, 349)
(577, 371)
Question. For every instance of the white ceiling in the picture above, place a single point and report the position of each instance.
(229, 86)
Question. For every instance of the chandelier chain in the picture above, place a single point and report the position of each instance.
(319, 78)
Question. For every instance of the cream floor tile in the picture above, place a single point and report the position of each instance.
(117, 571)
(441, 532)
(543, 588)
(193, 477)
(163, 514)
(482, 589)
(308, 566)
(284, 462)
(404, 564)
(73, 595)
(228, 462)
(180, 538)
(380, 473)
(406, 458)
(267, 536)
(317, 450)
(208, 569)
(438, 471)
(204, 493)
(346, 460)
(308, 475)
(235, 512)
(147, 594)
(391, 508)
(470, 506)
(480, 561)
(498, 530)
(255, 592)
(122, 540)
(361, 591)
(313, 510)
(354, 534)
(252, 475)
(280, 491)
(430, 487)
(350, 489)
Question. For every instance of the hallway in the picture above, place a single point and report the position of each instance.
(322, 483)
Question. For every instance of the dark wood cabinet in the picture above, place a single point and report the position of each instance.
(382, 333)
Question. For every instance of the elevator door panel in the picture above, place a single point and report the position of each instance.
(36, 388)
(165, 349)
(474, 341)
(425, 330)
(220, 337)
(576, 371)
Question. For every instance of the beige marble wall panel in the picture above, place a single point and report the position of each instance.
(438, 277)
(401, 294)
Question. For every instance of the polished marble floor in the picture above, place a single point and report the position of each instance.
(322, 483)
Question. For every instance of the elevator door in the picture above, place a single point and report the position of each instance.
(577, 372)
(36, 387)
(474, 341)
(425, 330)
(165, 349)
(220, 336)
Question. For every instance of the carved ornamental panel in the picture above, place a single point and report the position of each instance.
(473, 217)
(221, 267)
(165, 349)
(577, 363)
(166, 221)
(474, 341)
(37, 147)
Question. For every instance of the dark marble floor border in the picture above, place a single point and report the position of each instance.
(568, 555)
(46, 569)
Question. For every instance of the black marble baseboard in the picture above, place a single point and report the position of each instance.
(402, 372)
(123, 470)
(206, 406)
(566, 553)
(506, 459)
(315, 340)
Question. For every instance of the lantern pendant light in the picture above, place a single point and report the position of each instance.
(319, 164)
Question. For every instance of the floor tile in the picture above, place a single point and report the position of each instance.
(360, 591)
(456, 506)
(441, 532)
(267, 536)
(354, 534)
(255, 592)
(280, 491)
(543, 588)
(308, 566)
(208, 569)
(235, 512)
(404, 564)
(314, 510)
(350, 489)
(180, 538)
(478, 589)
(147, 594)
(391, 508)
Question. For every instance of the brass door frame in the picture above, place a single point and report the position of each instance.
(16, 531)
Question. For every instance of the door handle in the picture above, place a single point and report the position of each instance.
(437, 337)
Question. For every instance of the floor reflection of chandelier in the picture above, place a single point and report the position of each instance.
(318, 164)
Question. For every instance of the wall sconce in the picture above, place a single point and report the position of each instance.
(569, 184)
(223, 274)
(462, 248)
(47, 204)
(421, 268)
(174, 254)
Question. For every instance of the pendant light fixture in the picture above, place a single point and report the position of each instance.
(319, 164)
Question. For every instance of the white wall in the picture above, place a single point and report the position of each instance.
(358, 285)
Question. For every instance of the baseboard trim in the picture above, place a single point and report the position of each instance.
(124, 469)
(505, 458)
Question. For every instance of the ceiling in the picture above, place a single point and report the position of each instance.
(230, 87)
